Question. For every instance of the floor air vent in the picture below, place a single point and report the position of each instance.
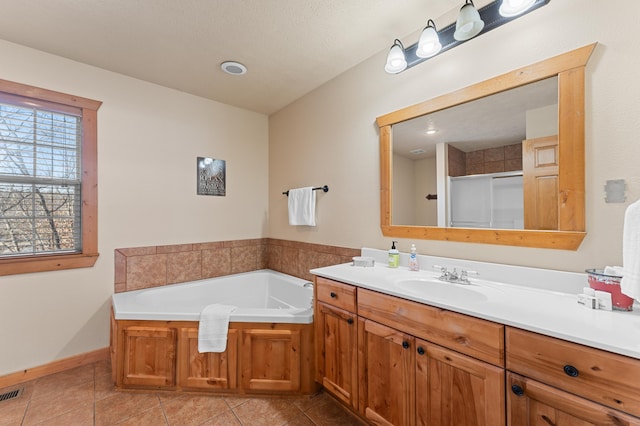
(11, 395)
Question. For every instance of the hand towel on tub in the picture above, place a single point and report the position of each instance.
(630, 284)
(213, 328)
(302, 206)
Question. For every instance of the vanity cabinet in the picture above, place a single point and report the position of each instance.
(387, 374)
(415, 364)
(552, 381)
(455, 389)
(336, 340)
(530, 402)
(423, 365)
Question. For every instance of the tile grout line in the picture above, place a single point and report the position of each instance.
(164, 413)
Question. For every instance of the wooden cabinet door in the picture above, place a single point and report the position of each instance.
(453, 389)
(337, 352)
(271, 359)
(386, 363)
(209, 370)
(540, 183)
(532, 403)
(149, 356)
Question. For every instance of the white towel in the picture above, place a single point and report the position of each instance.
(302, 206)
(630, 284)
(213, 328)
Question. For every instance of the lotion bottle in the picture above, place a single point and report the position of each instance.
(394, 256)
(413, 259)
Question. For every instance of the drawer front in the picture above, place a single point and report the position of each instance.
(475, 337)
(610, 379)
(530, 402)
(337, 294)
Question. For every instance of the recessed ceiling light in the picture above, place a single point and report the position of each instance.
(233, 68)
(417, 151)
(431, 131)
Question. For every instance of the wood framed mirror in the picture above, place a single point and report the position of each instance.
(566, 207)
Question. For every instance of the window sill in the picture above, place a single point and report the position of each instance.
(25, 265)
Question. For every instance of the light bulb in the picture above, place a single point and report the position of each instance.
(510, 8)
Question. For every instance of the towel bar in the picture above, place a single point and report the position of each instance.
(324, 188)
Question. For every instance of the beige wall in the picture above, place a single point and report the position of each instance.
(330, 137)
(148, 141)
(150, 136)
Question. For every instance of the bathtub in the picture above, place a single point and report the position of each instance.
(262, 296)
(270, 341)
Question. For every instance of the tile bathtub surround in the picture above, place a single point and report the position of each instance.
(154, 266)
(86, 396)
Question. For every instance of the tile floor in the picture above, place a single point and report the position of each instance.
(85, 396)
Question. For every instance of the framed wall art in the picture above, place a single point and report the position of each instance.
(211, 176)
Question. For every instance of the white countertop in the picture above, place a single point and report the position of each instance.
(552, 313)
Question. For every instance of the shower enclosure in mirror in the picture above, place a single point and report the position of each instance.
(505, 158)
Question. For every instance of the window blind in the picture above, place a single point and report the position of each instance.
(40, 178)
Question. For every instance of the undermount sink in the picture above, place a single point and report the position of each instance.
(441, 290)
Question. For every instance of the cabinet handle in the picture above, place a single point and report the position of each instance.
(405, 344)
(517, 389)
(420, 350)
(333, 295)
(350, 321)
(571, 370)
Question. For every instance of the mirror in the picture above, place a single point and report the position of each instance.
(480, 165)
(548, 98)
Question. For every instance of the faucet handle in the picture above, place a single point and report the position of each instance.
(464, 276)
(442, 269)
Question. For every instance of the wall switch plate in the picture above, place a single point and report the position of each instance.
(614, 191)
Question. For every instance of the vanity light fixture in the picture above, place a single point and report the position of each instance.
(471, 23)
(396, 61)
(429, 43)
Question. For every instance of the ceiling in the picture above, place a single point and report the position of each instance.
(290, 47)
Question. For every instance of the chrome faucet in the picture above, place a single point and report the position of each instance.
(453, 276)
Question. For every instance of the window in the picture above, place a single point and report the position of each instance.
(48, 180)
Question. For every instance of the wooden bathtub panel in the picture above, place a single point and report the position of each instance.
(271, 360)
(186, 365)
(208, 370)
(149, 356)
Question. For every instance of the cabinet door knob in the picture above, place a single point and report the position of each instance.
(405, 344)
(517, 389)
(420, 350)
(571, 370)
(350, 321)
(333, 295)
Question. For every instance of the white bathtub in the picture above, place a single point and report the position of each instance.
(261, 296)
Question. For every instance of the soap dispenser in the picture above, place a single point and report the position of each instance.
(413, 259)
(394, 256)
